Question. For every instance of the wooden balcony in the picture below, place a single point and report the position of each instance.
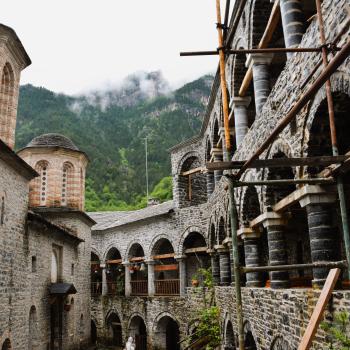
(167, 287)
(139, 287)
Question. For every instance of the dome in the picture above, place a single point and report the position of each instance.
(52, 140)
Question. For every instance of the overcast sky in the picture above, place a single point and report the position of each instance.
(79, 45)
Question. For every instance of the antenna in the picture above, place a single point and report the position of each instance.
(146, 150)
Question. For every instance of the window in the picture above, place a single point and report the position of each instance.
(56, 264)
(66, 183)
(72, 270)
(33, 264)
(2, 212)
(42, 184)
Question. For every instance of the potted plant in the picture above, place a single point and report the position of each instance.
(195, 281)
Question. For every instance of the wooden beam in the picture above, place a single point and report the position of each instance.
(163, 256)
(172, 267)
(137, 258)
(317, 314)
(278, 162)
(193, 171)
(115, 261)
(196, 250)
(264, 42)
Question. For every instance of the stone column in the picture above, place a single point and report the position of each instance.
(182, 273)
(275, 227)
(210, 183)
(228, 242)
(225, 270)
(321, 231)
(251, 255)
(150, 277)
(292, 22)
(239, 106)
(104, 280)
(127, 278)
(215, 267)
(217, 158)
(261, 77)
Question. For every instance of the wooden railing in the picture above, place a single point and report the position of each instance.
(96, 288)
(112, 289)
(167, 287)
(139, 287)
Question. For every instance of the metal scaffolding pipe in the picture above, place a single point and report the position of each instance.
(330, 264)
(331, 68)
(247, 51)
(318, 181)
(236, 267)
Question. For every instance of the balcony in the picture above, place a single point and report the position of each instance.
(167, 287)
(139, 287)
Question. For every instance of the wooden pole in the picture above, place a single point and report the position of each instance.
(225, 103)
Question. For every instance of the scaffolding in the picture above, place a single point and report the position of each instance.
(235, 169)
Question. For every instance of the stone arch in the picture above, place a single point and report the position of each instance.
(133, 244)
(33, 335)
(157, 240)
(249, 338)
(212, 233)
(96, 252)
(230, 340)
(221, 232)
(215, 131)
(251, 207)
(137, 328)
(113, 324)
(280, 343)
(7, 104)
(238, 68)
(110, 249)
(186, 233)
(259, 16)
(192, 154)
(6, 345)
(166, 331)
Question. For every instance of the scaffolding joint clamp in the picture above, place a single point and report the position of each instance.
(221, 26)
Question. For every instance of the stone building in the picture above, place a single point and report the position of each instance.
(143, 261)
(45, 237)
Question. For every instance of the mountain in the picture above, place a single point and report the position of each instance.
(111, 126)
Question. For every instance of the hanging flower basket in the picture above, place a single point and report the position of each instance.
(195, 283)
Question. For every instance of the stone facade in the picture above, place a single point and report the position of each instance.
(44, 248)
(289, 225)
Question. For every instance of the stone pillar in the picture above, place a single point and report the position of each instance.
(321, 231)
(251, 255)
(104, 280)
(127, 279)
(210, 182)
(261, 77)
(215, 267)
(275, 227)
(225, 270)
(239, 106)
(150, 277)
(182, 273)
(292, 22)
(217, 158)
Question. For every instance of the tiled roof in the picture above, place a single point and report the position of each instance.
(107, 220)
(52, 140)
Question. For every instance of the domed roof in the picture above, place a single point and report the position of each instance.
(52, 140)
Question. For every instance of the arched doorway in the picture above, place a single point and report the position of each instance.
(230, 341)
(93, 332)
(167, 334)
(138, 270)
(249, 342)
(137, 330)
(195, 249)
(115, 273)
(6, 345)
(114, 331)
(166, 269)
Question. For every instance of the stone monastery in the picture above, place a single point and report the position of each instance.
(75, 280)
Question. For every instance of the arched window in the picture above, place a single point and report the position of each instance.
(67, 183)
(6, 103)
(42, 182)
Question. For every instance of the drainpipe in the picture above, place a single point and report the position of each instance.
(236, 268)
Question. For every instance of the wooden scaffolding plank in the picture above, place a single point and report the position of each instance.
(278, 162)
(171, 267)
(316, 317)
(163, 256)
(196, 250)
